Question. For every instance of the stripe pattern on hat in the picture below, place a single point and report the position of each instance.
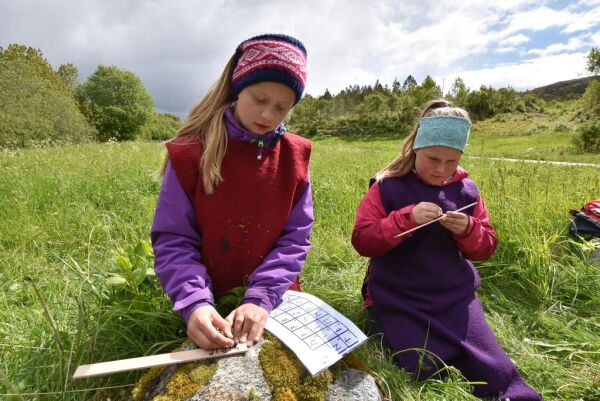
(260, 54)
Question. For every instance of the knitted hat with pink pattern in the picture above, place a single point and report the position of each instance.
(270, 57)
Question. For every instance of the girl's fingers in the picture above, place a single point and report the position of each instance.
(223, 325)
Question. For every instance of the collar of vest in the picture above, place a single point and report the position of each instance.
(236, 131)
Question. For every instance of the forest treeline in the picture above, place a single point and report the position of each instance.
(42, 106)
(380, 109)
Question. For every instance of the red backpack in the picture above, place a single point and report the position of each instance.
(586, 221)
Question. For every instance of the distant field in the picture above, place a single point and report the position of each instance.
(69, 216)
(541, 136)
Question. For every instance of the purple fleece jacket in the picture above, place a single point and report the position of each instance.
(177, 242)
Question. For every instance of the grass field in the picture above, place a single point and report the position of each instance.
(74, 288)
(540, 136)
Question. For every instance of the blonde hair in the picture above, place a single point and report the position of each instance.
(205, 123)
(405, 161)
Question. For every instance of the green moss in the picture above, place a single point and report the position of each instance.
(286, 376)
(183, 383)
(144, 384)
(186, 380)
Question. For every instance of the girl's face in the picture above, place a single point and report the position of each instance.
(262, 107)
(436, 164)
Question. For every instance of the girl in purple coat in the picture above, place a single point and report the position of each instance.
(420, 286)
(235, 207)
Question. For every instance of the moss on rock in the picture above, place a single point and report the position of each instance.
(146, 382)
(185, 381)
(287, 378)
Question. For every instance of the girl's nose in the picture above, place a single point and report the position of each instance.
(266, 114)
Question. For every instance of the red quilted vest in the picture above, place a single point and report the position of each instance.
(243, 218)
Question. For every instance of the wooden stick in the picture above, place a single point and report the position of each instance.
(125, 365)
(432, 221)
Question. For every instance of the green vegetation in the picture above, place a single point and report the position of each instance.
(36, 107)
(79, 216)
(287, 378)
(42, 107)
(76, 284)
(593, 61)
(117, 103)
(160, 127)
(381, 110)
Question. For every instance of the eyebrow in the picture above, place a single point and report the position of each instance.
(284, 103)
(439, 158)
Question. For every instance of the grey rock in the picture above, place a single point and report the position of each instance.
(240, 378)
(353, 385)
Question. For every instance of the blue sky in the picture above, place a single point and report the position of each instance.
(179, 48)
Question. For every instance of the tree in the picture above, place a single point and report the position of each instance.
(119, 105)
(591, 98)
(459, 92)
(480, 104)
(428, 90)
(35, 105)
(593, 61)
(326, 95)
(409, 82)
(396, 85)
(69, 75)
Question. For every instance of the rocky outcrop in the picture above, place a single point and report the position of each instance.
(242, 377)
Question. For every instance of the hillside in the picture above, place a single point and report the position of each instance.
(570, 89)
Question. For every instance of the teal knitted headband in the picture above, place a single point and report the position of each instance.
(448, 131)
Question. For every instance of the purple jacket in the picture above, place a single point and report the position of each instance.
(177, 241)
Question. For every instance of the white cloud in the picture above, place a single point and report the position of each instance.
(538, 19)
(583, 21)
(514, 40)
(572, 45)
(524, 75)
(179, 48)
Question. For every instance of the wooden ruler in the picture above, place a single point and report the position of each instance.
(125, 365)
(432, 221)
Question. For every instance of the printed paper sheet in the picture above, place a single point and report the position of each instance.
(318, 334)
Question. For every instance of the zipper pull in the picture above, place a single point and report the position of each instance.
(261, 145)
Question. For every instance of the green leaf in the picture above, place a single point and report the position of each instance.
(140, 250)
(116, 281)
(148, 248)
(124, 263)
(138, 275)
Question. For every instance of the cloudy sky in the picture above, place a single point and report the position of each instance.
(179, 48)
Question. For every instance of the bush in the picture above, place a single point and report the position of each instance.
(162, 126)
(588, 140)
(119, 105)
(591, 98)
(35, 107)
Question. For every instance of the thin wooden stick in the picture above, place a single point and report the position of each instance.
(125, 365)
(432, 221)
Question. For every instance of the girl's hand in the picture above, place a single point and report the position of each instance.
(424, 212)
(248, 323)
(456, 222)
(208, 330)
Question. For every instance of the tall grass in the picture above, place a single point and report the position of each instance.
(67, 213)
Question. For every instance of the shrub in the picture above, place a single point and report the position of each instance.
(119, 105)
(588, 140)
(36, 108)
(160, 127)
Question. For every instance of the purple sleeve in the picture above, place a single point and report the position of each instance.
(283, 264)
(176, 241)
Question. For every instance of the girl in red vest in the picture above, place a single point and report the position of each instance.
(420, 285)
(235, 206)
